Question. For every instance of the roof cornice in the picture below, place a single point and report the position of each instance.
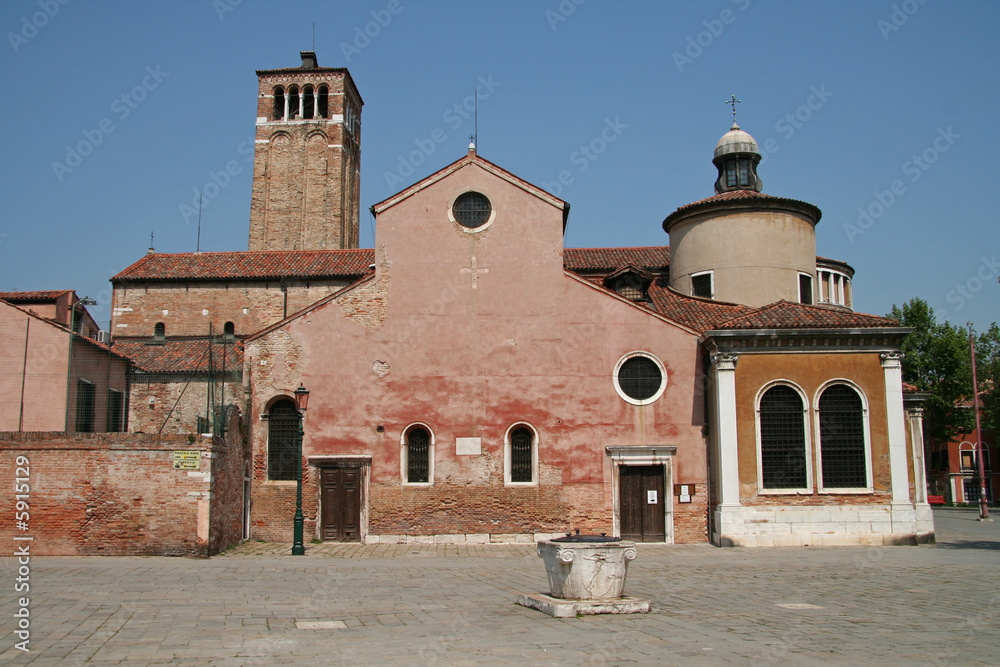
(759, 203)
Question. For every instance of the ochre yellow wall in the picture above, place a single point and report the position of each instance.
(809, 372)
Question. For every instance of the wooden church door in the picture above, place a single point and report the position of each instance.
(340, 502)
(642, 504)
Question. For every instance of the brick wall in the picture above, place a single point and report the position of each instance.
(691, 519)
(173, 405)
(187, 309)
(305, 181)
(118, 494)
(230, 455)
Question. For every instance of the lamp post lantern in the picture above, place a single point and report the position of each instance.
(301, 402)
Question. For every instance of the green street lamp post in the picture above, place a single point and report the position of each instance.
(301, 401)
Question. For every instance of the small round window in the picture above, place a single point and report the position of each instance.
(472, 210)
(640, 379)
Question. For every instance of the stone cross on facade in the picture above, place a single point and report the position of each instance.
(475, 270)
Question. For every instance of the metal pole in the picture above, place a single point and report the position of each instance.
(984, 513)
(298, 548)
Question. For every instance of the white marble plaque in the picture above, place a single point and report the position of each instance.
(468, 446)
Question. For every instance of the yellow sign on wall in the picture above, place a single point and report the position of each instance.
(187, 459)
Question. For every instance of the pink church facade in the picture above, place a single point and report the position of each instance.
(472, 335)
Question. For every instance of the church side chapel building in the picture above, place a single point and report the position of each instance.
(472, 380)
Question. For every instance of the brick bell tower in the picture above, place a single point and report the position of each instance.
(307, 159)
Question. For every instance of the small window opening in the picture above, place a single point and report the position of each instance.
(160, 330)
(323, 102)
(805, 289)
(229, 330)
(744, 166)
(308, 102)
(418, 456)
(279, 104)
(521, 455)
(701, 285)
(293, 103)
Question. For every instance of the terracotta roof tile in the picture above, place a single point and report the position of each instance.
(270, 264)
(695, 312)
(182, 356)
(788, 315)
(652, 258)
(20, 297)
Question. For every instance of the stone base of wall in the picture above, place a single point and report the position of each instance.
(798, 525)
(458, 538)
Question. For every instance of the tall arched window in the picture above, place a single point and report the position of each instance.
(279, 104)
(293, 103)
(308, 102)
(323, 104)
(521, 455)
(782, 439)
(418, 446)
(282, 441)
(843, 454)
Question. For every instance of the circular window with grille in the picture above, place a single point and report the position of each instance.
(472, 210)
(640, 378)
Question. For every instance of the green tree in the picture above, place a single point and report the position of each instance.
(937, 362)
(988, 374)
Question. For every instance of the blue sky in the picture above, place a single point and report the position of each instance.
(874, 111)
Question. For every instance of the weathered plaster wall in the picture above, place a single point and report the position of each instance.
(471, 354)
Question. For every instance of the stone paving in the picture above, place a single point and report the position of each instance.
(454, 605)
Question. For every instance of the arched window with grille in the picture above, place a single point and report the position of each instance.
(782, 440)
(521, 456)
(843, 440)
(282, 441)
(418, 456)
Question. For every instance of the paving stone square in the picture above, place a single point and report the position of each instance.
(455, 605)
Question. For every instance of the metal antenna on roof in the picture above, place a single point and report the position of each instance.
(476, 130)
(733, 102)
(197, 247)
(314, 37)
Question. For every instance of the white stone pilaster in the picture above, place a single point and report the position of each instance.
(725, 400)
(896, 426)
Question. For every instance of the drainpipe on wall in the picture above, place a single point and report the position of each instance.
(24, 372)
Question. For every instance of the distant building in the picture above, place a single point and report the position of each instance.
(954, 468)
(54, 374)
